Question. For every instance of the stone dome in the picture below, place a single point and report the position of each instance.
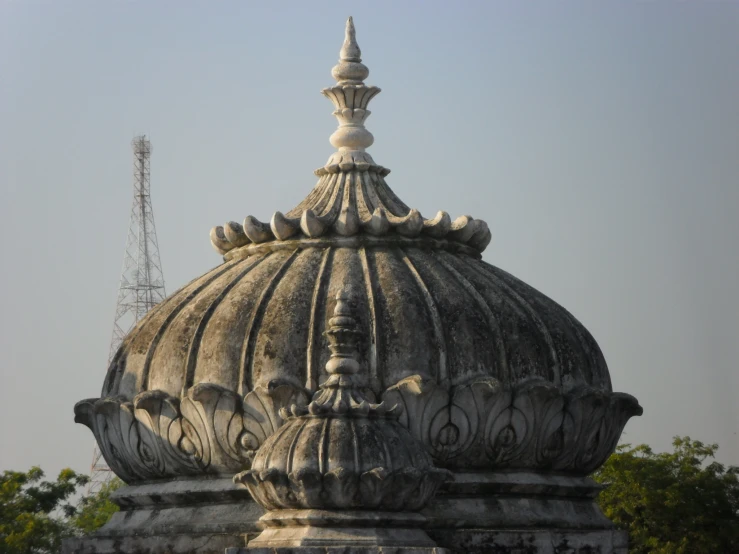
(432, 308)
(490, 372)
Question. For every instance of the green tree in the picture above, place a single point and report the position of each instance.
(34, 513)
(94, 511)
(683, 502)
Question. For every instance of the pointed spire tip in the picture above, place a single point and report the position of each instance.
(350, 51)
(350, 69)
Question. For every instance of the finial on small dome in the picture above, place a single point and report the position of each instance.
(350, 69)
(342, 391)
(343, 336)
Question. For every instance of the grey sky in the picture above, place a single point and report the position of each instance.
(599, 140)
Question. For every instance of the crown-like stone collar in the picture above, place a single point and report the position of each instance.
(351, 197)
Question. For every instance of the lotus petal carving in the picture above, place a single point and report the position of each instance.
(532, 426)
(211, 430)
(405, 489)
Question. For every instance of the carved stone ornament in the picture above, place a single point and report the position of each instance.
(339, 458)
(459, 365)
(351, 197)
(211, 430)
(478, 425)
(476, 357)
(533, 426)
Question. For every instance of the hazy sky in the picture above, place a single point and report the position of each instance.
(599, 140)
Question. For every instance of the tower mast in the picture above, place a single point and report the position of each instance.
(142, 281)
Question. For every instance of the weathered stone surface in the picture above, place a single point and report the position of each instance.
(461, 351)
(513, 541)
(433, 312)
(493, 374)
(351, 197)
(347, 529)
(202, 516)
(342, 472)
(181, 543)
(212, 430)
(533, 426)
(518, 500)
(521, 513)
(340, 550)
(491, 379)
(211, 514)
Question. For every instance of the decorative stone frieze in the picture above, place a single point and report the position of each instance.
(478, 425)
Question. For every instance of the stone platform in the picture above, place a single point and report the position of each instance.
(538, 541)
(520, 512)
(475, 513)
(480, 541)
(203, 516)
(341, 550)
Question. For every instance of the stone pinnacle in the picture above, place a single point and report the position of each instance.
(350, 69)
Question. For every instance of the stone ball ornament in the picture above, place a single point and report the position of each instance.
(436, 362)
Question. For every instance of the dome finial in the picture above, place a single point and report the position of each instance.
(350, 70)
(350, 51)
(350, 96)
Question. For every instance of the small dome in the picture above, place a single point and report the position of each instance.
(350, 453)
(490, 372)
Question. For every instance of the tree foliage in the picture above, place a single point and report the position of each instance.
(35, 515)
(29, 523)
(95, 511)
(682, 502)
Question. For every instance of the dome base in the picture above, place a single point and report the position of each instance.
(472, 512)
(520, 511)
(535, 541)
(191, 516)
(341, 550)
(498, 500)
(371, 531)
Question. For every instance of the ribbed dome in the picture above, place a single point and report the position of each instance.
(431, 311)
(492, 373)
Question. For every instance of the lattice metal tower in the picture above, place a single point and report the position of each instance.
(142, 280)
